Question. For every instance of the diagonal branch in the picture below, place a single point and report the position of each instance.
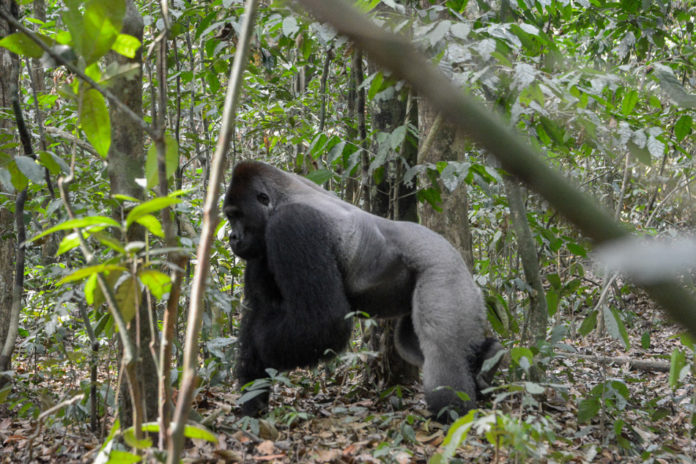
(490, 132)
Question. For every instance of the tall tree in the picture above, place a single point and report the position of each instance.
(126, 164)
(7, 234)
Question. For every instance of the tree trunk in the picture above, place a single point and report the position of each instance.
(7, 237)
(537, 316)
(445, 143)
(10, 282)
(390, 199)
(126, 163)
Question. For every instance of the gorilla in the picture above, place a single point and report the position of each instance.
(313, 259)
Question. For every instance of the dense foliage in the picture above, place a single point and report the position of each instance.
(604, 88)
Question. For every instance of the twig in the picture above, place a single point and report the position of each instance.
(639, 364)
(210, 213)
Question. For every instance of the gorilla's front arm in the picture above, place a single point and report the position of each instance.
(298, 320)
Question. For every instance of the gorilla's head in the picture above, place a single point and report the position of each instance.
(249, 202)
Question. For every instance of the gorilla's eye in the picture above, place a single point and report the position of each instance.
(263, 199)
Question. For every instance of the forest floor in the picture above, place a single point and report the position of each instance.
(317, 419)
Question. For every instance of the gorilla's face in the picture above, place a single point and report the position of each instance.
(247, 208)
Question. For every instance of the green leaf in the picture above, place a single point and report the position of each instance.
(90, 287)
(320, 176)
(615, 326)
(152, 224)
(94, 120)
(676, 364)
(30, 169)
(199, 432)
(589, 324)
(552, 299)
(102, 22)
(519, 352)
(456, 435)
(534, 388)
(150, 207)
(126, 45)
(20, 44)
(68, 243)
(629, 102)
(129, 438)
(108, 240)
(157, 282)
(79, 223)
(53, 163)
(683, 127)
(645, 340)
(290, 26)
(588, 409)
(576, 249)
(127, 297)
(123, 457)
(19, 180)
(171, 161)
(90, 270)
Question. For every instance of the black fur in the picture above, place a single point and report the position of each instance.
(312, 259)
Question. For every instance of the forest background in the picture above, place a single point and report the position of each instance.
(108, 133)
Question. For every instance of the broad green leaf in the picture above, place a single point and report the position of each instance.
(102, 23)
(171, 161)
(645, 340)
(552, 300)
(129, 438)
(68, 243)
(456, 435)
(683, 127)
(126, 45)
(90, 270)
(290, 26)
(30, 169)
(19, 180)
(127, 296)
(576, 249)
(199, 432)
(615, 325)
(150, 207)
(79, 223)
(94, 120)
(53, 163)
(677, 363)
(520, 352)
(319, 176)
(589, 324)
(629, 102)
(123, 457)
(108, 240)
(534, 388)
(90, 287)
(22, 45)
(588, 409)
(152, 224)
(157, 282)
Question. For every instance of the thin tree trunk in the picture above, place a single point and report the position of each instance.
(443, 142)
(7, 234)
(537, 316)
(126, 163)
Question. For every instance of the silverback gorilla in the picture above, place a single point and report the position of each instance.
(311, 259)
